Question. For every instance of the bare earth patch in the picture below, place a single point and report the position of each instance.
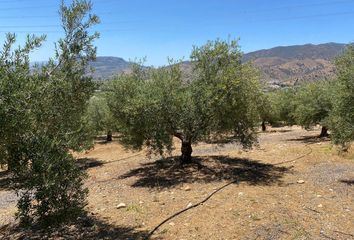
(292, 186)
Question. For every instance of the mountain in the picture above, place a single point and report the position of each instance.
(326, 51)
(289, 65)
(279, 66)
(106, 67)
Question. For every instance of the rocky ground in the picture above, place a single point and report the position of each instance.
(292, 186)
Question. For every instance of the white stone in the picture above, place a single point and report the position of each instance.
(121, 205)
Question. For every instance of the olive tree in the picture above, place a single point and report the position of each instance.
(152, 106)
(99, 116)
(41, 118)
(268, 111)
(283, 101)
(313, 103)
(342, 116)
(18, 94)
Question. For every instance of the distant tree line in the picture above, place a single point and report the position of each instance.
(328, 103)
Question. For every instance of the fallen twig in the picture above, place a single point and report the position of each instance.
(312, 210)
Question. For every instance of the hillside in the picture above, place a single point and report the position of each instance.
(325, 51)
(106, 67)
(292, 64)
(279, 66)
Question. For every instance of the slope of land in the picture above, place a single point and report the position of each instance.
(292, 186)
(291, 65)
(106, 67)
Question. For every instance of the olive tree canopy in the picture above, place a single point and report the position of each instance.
(152, 106)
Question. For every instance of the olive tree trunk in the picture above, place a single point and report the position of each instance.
(11, 166)
(109, 136)
(186, 150)
(324, 132)
(264, 127)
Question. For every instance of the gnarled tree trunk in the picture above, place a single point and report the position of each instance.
(324, 132)
(109, 136)
(11, 166)
(186, 150)
(264, 128)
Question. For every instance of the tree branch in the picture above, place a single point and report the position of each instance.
(178, 135)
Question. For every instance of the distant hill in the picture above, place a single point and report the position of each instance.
(290, 65)
(106, 67)
(326, 51)
(279, 66)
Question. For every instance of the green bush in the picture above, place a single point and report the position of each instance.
(50, 183)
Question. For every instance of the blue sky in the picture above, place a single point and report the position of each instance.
(158, 29)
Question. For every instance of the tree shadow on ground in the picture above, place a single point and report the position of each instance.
(310, 139)
(84, 228)
(349, 182)
(166, 173)
(87, 163)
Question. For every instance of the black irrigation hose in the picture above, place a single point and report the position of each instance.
(305, 155)
(122, 159)
(188, 208)
(214, 192)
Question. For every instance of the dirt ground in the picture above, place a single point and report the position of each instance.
(292, 186)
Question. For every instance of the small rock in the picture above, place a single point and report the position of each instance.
(320, 205)
(240, 194)
(141, 202)
(72, 228)
(187, 188)
(171, 224)
(189, 205)
(319, 196)
(121, 205)
(300, 181)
